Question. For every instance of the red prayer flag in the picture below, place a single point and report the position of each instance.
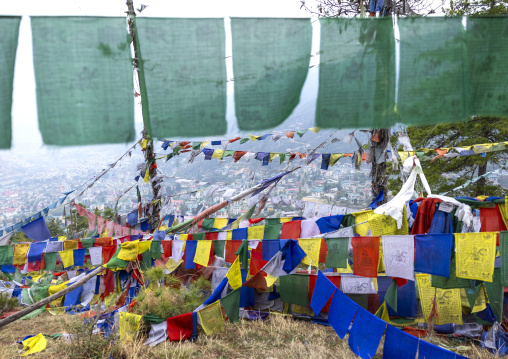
(179, 327)
(166, 247)
(211, 236)
(365, 256)
(238, 155)
(291, 230)
(231, 248)
(323, 251)
(491, 219)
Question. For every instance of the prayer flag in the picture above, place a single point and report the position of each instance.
(129, 251)
(291, 230)
(341, 314)
(190, 252)
(337, 252)
(366, 334)
(128, 324)
(20, 253)
(6, 254)
(433, 253)
(34, 344)
(202, 255)
(365, 256)
(182, 326)
(398, 254)
(294, 289)
(255, 232)
(67, 257)
(399, 344)
(311, 248)
(231, 304)
(272, 231)
(428, 350)
(234, 275)
(37, 230)
(475, 255)
(211, 319)
(323, 290)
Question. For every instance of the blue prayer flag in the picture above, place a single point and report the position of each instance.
(329, 224)
(132, 218)
(73, 297)
(36, 230)
(323, 290)
(294, 256)
(36, 251)
(247, 296)
(406, 297)
(269, 248)
(399, 344)
(341, 314)
(79, 256)
(366, 334)
(239, 234)
(216, 295)
(190, 252)
(433, 254)
(431, 351)
(442, 222)
(325, 161)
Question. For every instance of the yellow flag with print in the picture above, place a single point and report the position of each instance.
(67, 257)
(475, 255)
(202, 255)
(144, 246)
(234, 274)
(211, 319)
(255, 232)
(129, 251)
(311, 247)
(20, 252)
(55, 289)
(218, 154)
(128, 324)
(219, 223)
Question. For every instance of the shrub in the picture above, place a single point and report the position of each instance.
(7, 303)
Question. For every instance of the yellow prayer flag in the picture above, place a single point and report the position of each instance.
(362, 216)
(62, 238)
(253, 138)
(315, 129)
(34, 344)
(481, 301)
(55, 289)
(229, 234)
(20, 252)
(334, 157)
(405, 154)
(255, 232)
(202, 255)
(285, 219)
(144, 246)
(234, 275)
(384, 312)
(183, 237)
(211, 319)
(67, 257)
(171, 264)
(129, 324)
(218, 154)
(56, 311)
(270, 280)
(475, 255)
(144, 142)
(503, 208)
(311, 247)
(204, 144)
(129, 251)
(219, 223)
(273, 155)
(147, 175)
(449, 305)
(71, 244)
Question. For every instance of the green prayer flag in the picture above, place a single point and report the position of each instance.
(116, 262)
(243, 140)
(87, 242)
(9, 28)
(243, 253)
(155, 249)
(207, 223)
(231, 304)
(6, 253)
(272, 231)
(35, 313)
(146, 262)
(452, 281)
(50, 261)
(199, 236)
(218, 248)
(294, 289)
(138, 194)
(83, 75)
(391, 296)
(185, 74)
(270, 63)
(271, 222)
(471, 297)
(361, 299)
(152, 319)
(196, 145)
(432, 85)
(495, 293)
(301, 133)
(228, 153)
(337, 252)
(356, 73)
(487, 51)
(348, 220)
(282, 157)
(503, 246)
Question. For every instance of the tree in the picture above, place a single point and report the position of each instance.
(477, 7)
(445, 174)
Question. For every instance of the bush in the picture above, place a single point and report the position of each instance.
(7, 303)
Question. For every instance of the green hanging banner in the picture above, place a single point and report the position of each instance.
(270, 64)
(356, 73)
(83, 74)
(185, 74)
(9, 28)
(432, 86)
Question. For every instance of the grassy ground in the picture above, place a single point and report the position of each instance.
(277, 337)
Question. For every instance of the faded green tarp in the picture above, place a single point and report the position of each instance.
(432, 84)
(270, 64)
(185, 74)
(356, 73)
(9, 28)
(487, 46)
(83, 75)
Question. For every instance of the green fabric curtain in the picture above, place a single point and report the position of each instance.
(270, 64)
(185, 74)
(83, 74)
(356, 73)
(488, 66)
(432, 86)
(9, 28)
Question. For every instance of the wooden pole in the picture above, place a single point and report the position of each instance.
(51, 298)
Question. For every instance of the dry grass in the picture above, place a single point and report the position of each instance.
(277, 337)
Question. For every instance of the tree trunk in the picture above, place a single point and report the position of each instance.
(480, 185)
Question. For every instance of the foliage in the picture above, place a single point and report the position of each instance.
(7, 303)
(445, 174)
(477, 7)
(167, 301)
